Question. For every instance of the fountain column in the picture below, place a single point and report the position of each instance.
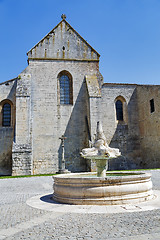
(101, 167)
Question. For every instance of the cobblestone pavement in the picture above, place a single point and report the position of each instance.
(20, 221)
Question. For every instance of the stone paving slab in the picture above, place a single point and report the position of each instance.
(93, 226)
(155, 236)
(20, 221)
(26, 225)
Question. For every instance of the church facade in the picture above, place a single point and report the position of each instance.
(61, 92)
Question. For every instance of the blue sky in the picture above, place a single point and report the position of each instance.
(126, 33)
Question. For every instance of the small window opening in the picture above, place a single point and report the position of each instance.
(63, 48)
(6, 115)
(119, 110)
(152, 108)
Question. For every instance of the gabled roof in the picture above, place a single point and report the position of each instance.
(63, 42)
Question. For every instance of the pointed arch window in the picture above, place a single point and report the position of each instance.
(65, 86)
(6, 115)
(119, 110)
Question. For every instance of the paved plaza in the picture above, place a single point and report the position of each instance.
(24, 217)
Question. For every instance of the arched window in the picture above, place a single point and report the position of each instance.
(65, 86)
(119, 110)
(6, 115)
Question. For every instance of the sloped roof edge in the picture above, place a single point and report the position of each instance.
(11, 80)
(63, 20)
(93, 86)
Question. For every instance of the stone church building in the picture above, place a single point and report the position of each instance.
(61, 92)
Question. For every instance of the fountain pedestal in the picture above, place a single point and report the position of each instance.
(101, 167)
(101, 164)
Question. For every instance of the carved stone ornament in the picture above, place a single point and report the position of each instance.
(63, 16)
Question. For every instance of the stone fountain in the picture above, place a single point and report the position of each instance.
(100, 152)
(100, 188)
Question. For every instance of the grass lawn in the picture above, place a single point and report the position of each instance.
(40, 175)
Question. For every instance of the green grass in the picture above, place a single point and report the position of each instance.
(24, 176)
(40, 175)
(147, 169)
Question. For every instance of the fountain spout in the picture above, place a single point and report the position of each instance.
(100, 152)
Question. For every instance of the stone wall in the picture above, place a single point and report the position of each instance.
(22, 148)
(22, 164)
(7, 94)
(6, 139)
(41, 119)
(149, 125)
(123, 135)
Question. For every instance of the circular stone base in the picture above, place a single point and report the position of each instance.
(116, 188)
(44, 202)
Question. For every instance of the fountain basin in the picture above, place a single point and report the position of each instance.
(115, 188)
